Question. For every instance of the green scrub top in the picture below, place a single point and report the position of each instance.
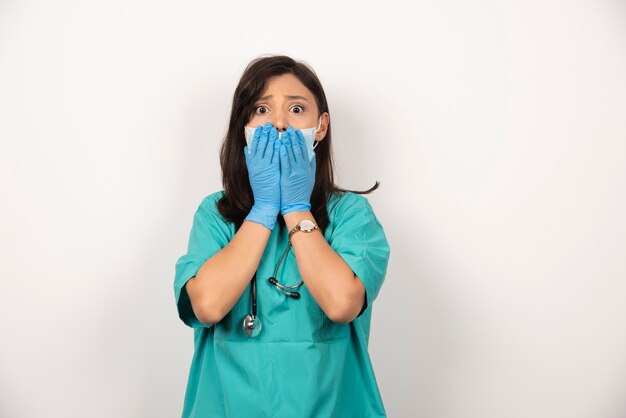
(301, 364)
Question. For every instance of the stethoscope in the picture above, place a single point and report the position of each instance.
(251, 323)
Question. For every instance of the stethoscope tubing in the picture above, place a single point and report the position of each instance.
(252, 325)
(253, 284)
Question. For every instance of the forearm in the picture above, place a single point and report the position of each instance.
(222, 279)
(328, 278)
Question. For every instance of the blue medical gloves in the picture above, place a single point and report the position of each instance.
(297, 174)
(263, 164)
(280, 173)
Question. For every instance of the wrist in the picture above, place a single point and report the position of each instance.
(295, 207)
(292, 218)
(264, 215)
(306, 226)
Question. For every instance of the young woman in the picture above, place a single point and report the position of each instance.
(282, 266)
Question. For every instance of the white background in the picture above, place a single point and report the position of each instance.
(497, 130)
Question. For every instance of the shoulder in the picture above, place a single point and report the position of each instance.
(208, 217)
(208, 205)
(210, 201)
(353, 225)
(350, 207)
(338, 203)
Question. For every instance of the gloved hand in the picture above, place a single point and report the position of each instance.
(297, 174)
(263, 165)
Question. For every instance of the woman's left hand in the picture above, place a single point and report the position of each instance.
(297, 174)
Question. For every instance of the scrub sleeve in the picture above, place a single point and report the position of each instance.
(358, 239)
(209, 234)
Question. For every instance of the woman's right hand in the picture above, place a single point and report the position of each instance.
(262, 161)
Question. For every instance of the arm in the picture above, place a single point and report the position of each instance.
(335, 287)
(222, 279)
(331, 282)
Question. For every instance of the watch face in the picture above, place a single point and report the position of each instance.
(306, 225)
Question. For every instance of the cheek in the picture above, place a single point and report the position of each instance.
(303, 122)
(253, 121)
(256, 120)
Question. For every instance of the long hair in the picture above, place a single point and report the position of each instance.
(238, 198)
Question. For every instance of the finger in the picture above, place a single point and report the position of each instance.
(291, 150)
(264, 138)
(273, 137)
(285, 166)
(255, 139)
(271, 144)
(289, 138)
(293, 138)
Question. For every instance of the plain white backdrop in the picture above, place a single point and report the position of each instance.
(497, 130)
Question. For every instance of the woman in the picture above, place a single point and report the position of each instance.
(282, 266)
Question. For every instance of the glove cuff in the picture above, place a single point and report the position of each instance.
(263, 215)
(295, 207)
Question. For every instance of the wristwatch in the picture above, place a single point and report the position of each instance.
(304, 225)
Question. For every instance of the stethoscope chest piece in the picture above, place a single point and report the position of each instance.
(252, 325)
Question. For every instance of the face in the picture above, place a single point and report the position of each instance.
(287, 102)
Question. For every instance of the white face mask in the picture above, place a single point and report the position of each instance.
(308, 133)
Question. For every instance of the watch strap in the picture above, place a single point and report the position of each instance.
(298, 228)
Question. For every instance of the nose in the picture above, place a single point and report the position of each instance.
(279, 120)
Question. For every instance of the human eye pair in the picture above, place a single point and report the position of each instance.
(263, 110)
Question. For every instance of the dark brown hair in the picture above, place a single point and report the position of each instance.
(237, 201)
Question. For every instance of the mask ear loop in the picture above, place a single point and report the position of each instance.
(318, 128)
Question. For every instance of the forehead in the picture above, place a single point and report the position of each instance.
(286, 85)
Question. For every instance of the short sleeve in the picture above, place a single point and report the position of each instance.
(209, 234)
(359, 238)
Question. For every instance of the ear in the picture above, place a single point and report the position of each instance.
(321, 134)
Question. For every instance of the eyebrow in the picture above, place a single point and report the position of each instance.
(288, 97)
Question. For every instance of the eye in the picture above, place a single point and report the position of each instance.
(261, 110)
(297, 109)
